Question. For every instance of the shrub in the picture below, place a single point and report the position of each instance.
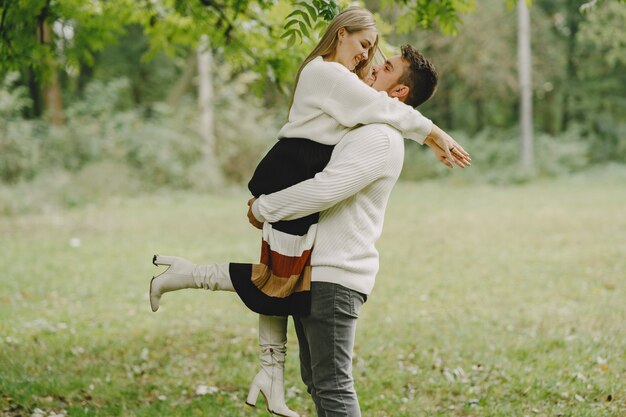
(20, 151)
(496, 157)
(162, 155)
(98, 181)
(19, 154)
(163, 144)
(244, 129)
(59, 188)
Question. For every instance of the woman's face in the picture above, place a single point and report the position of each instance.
(355, 47)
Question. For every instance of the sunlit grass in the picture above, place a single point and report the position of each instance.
(490, 301)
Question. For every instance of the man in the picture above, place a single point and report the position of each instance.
(352, 194)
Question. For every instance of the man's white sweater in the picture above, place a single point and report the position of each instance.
(352, 194)
(329, 100)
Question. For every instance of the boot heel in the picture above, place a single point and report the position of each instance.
(253, 395)
(154, 304)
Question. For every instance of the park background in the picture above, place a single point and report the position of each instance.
(130, 128)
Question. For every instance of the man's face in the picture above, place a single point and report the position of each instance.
(385, 77)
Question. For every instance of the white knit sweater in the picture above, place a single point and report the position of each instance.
(352, 194)
(329, 100)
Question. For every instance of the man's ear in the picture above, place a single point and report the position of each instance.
(400, 91)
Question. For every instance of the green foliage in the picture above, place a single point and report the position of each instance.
(13, 99)
(90, 26)
(513, 3)
(427, 14)
(160, 148)
(598, 95)
(163, 155)
(118, 116)
(309, 20)
(244, 128)
(18, 29)
(150, 80)
(598, 33)
(79, 28)
(19, 156)
(576, 88)
(592, 4)
(174, 26)
(479, 75)
(92, 133)
(245, 33)
(495, 157)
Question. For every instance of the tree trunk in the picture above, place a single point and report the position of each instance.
(205, 103)
(526, 105)
(52, 96)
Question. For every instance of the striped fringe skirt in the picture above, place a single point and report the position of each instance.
(280, 284)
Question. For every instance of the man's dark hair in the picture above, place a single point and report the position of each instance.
(420, 76)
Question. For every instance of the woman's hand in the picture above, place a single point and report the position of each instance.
(439, 153)
(253, 221)
(446, 149)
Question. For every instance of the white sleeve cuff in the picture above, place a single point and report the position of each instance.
(421, 136)
(256, 212)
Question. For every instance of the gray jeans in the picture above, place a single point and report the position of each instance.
(326, 339)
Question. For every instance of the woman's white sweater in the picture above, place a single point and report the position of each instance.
(330, 100)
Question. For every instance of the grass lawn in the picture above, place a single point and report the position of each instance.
(490, 301)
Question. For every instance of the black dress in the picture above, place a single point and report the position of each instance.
(280, 284)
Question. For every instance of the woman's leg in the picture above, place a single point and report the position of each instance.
(270, 379)
(183, 273)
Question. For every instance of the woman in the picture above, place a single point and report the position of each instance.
(320, 114)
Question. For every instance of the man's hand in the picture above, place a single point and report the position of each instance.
(253, 221)
(446, 149)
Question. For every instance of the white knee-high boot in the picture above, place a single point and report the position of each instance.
(270, 379)
(183, 273)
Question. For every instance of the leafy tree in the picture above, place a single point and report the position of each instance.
(42, 36)
(427, 14)
(240, 27)
(154, 43)
(598, 98)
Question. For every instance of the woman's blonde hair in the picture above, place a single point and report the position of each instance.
(353, 19)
